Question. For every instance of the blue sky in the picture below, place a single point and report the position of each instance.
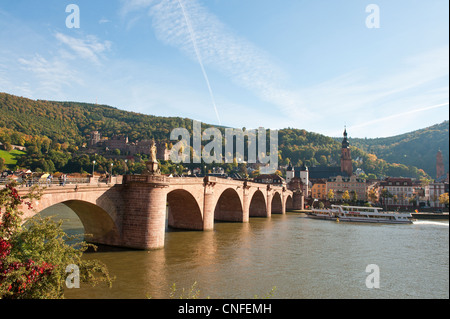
(312, 65)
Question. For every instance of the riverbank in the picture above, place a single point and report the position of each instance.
(430, 215)
(443, 216)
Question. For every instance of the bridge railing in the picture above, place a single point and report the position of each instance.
(47, 183)
(55, 182)
(144, 178)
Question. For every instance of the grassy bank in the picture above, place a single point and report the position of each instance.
(10, 157)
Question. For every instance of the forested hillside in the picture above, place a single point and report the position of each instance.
(71, 121)
(55, 132)
(417, 148)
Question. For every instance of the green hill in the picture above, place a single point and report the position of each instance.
(71, 122)
(54, 131)
(417, 148)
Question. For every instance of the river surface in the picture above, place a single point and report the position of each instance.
(301, 257)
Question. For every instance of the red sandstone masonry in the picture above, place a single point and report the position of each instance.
(144, 215)
(134, 214)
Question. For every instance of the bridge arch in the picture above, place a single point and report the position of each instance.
(183, 210)
(289, 203)
(258, 206)
(99, 227)
(276, 204)
(229, 207)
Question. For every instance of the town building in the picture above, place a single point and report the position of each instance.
(400, 191)
(432, 193)
(354, 185)
(319, 189)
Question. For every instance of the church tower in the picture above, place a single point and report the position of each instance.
(346, 157)
(440, 170)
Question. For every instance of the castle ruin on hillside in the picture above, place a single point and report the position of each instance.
(121, 143)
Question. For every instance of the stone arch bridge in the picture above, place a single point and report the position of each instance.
(133, 214)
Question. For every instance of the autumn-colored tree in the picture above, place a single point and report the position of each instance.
(346, 196)
(330, 195)
(372, 195)
(443, 199)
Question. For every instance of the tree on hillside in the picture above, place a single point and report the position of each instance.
(8, 147)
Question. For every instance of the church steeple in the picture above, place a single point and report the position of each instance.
(346, 158)
(345, 143)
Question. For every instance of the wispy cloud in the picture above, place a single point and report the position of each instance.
(219, 47)
(89, 48)
(397, 116)
(360, 99)
(57, 71)
(103, 20)
(52, 75)
(350, 98)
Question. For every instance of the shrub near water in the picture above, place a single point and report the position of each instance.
(33, 259)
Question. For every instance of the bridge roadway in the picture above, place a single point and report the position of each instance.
(133, 214)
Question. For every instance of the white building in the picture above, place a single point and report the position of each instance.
(432, 193)
(400, 189)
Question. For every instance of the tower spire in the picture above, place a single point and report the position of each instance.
(346, 158)
(345, 143)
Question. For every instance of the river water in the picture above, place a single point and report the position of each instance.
(301, 257)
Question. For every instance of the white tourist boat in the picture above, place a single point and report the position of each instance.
(360, 214)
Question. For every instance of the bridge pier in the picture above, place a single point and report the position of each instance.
(269, 202)
(246, 203)
(208, 206)
(144, 216)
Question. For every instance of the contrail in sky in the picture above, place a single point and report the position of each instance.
(400, 114)
(197, 52)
